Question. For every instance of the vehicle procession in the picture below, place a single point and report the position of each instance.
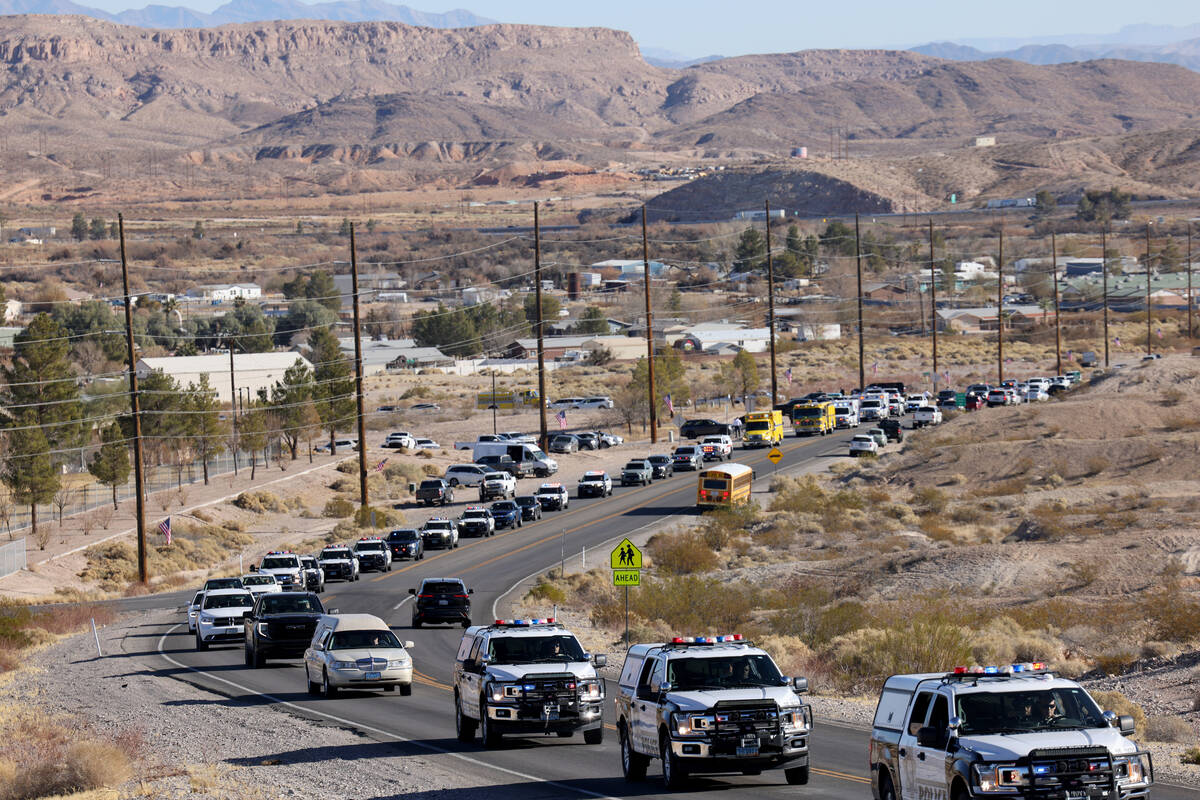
(698, 704)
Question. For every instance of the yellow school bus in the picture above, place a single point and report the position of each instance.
(724, 487)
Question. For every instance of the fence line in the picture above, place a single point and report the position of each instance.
(12, 557)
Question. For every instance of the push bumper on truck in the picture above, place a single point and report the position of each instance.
(745, 738)
(548, 703)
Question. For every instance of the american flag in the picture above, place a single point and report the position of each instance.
(1159, 333)
(1069, 354)
(1117, 341)
(379, 467)
(875, 369)
(561, 416)
(788, 374)
(164, 528)
(670, 405)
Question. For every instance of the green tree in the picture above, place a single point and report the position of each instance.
(838, 238)
(161, 402)
(198, 230)
(253, 424)
(29, 471)
(1169, 257)
(669, 378)
(741, 375)
(452, 330)
(209, 432)
(98, 229)
(1101, 206)
(751, 251)
(333, 391)
(344, 229)
(593, 321)
(79, 227)
(1045, 204)
(110, 464)
(303, 316)
(299, 227)
(254, 330)
(550, 308)
(42, 384)
(292, 403)
(114, 231)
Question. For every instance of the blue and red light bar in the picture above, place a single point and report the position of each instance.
(1032, 668)
(524, 623)
(733, 637)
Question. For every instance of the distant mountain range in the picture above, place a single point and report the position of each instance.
(1164, 44)
(158, 16)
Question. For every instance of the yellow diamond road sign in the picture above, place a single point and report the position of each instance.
(775, 455)
(625, 556)
(627, 577)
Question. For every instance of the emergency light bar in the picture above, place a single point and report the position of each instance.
(523, 623)
(729, 638)
(976, 671)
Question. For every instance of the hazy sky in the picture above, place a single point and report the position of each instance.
(733, 27)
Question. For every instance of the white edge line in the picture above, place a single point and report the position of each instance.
(402, 602)
(397, 737)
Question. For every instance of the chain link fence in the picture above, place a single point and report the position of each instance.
(12, 557)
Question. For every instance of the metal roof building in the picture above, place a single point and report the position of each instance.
(251, 371)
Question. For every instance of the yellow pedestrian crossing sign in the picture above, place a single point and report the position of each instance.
(626, 556)
(627, 577)
(775, 455)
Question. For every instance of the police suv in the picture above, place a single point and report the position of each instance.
(710, 704)
(1011, 731)
(285, 566)
(526, 676)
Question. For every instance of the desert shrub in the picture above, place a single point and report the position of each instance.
(547, 592)
(1190, 756)
(1121, 705)
(1181, 421)
(338, 508)
(1004, 641)
(348, 467)
(682, 553)
(1002, 488)
(967, 513)
(868, 655)
(365, 515)
(1084, 573)
(259, 502)
(901, 512)
(42, 756)
(689, 602)
(403, 472)
(791, 654)
(1173, 396)
(1165, 728)
(1115, 661)
(345, 484)
(930, 498)
(235, 525)
(821, 623)
(933, 528)
(431, 470)
(1094, 465)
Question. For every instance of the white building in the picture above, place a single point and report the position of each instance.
(251, 371)
(709, 336)
(12, 310)
(226, 292)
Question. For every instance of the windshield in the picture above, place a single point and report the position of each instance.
(376, 546)
(1018, 712)
(526, 500)
(504, 507)
(635, 465)
(475, 515)
(534, 649)
(258, 580)
(535, 452)
(758, 425)
(807, 412)
(290, 604)
(871, 404)
(281, 562)
(354, 640)
(659, 459)
(725, 672)
(334, 555)
(223, 583)
(228, 601)
(443, 587)
(403, 536)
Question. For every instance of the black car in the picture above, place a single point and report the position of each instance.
(531, 507)
(280, 625)
(507, 514)
(662, 465)
(442, 600)
(695, 428)
(893, 429)
(406, 543)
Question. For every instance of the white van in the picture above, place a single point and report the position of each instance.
(529, 456)
(846, 414)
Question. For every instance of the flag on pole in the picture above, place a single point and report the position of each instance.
(1117, 341)
(379, 467)
(561, 416)
(164, 528)
(669, 404)
(946, 376)
(1159, 333)
(874, 369)
(787, 373)
(1069, 354)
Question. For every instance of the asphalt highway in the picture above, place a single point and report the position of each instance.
(423, 723)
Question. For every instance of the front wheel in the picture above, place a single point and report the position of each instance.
(464, 727)
(674, 772)
(405, 689)
(201, 645)
(314, 689)
(595, 736)
(454, 481)
(487, 731)
(327, 688)
(886, 790)
(797, 776)
(633, 764)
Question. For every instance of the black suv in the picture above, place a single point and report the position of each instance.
(695, 428)
(406, 543)
(280, 625)
(442, 600)
(662, 465)
(893, 429)
(531, 507)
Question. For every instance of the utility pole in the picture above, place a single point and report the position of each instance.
(649, 332)
(771, 307)
(1057, 325)
(1000, 311)
(495, 402)
(541, 345)
(136, 407)
(233, 406)
(933, 319)
(358, 376)
(1104, 274)
(862, 368)
(1191, 301)
(1149, 338)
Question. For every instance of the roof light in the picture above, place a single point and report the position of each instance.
(960, 670)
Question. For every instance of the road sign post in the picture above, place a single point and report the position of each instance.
(626, 563)
(775, 455)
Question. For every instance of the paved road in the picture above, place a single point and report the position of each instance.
(423, 723)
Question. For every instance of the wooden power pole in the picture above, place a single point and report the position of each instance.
(1149, 324)
(862, 368)
(933, 319)
(649, 333)
(1000, 311)
(1191, 301)
(1057, 324)
(541, 344)
(136, 408)
(771, 307)
(358, 376)
(1104, 276)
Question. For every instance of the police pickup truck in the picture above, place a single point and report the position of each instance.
(526, 676)
(1010, 731)
(710, 704)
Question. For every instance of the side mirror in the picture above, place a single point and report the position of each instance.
(799, 685)
(485, 659)
(1126, 724)
(408, 644)
(412, 591)
(954, 724)
(665, 687)
(470, 591)
(599, 660)
(333, 611)
(928, 737)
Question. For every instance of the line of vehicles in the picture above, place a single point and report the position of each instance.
(702, 704)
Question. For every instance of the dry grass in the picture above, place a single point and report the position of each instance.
(1122, 705)
(42, 757)
(1162, 728)
(113, 565)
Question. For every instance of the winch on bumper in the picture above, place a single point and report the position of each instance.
(546, 703)
(740, 735)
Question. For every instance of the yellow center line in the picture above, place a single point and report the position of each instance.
(842, 775)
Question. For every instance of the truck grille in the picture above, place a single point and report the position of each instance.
(1077, 771)
(291, 630)
(555, 690)
(226, 622)
(746, 719)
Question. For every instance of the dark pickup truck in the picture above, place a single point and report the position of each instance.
(435, 491)
(281, 625)
(503, 463)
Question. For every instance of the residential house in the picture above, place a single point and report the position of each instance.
(622, 348)
(706, 337)
(370, 286)
(630, 267)
(226, 292)
(984, 319)
(883, 293)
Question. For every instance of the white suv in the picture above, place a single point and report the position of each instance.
(529, 677)
(400, 440)
(710, 704)
(466, 474)
(220, 616)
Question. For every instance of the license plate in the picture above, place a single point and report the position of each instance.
(1076, 794)
(374, 676)
(550, 712)
(443, 602)
(748, 751)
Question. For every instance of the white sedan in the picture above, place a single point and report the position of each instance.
(427, 444)
(261, 583)
(863, 444)
(1035, 394)
(356, 651)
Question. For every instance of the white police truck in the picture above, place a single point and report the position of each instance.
(526, 676)
(710, 704)
(1012, 731)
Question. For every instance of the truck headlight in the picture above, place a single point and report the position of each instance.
(591, 690)
(505, 692)
(795, 719)
(1130, 769)
(692, 724)
(1000, 777)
